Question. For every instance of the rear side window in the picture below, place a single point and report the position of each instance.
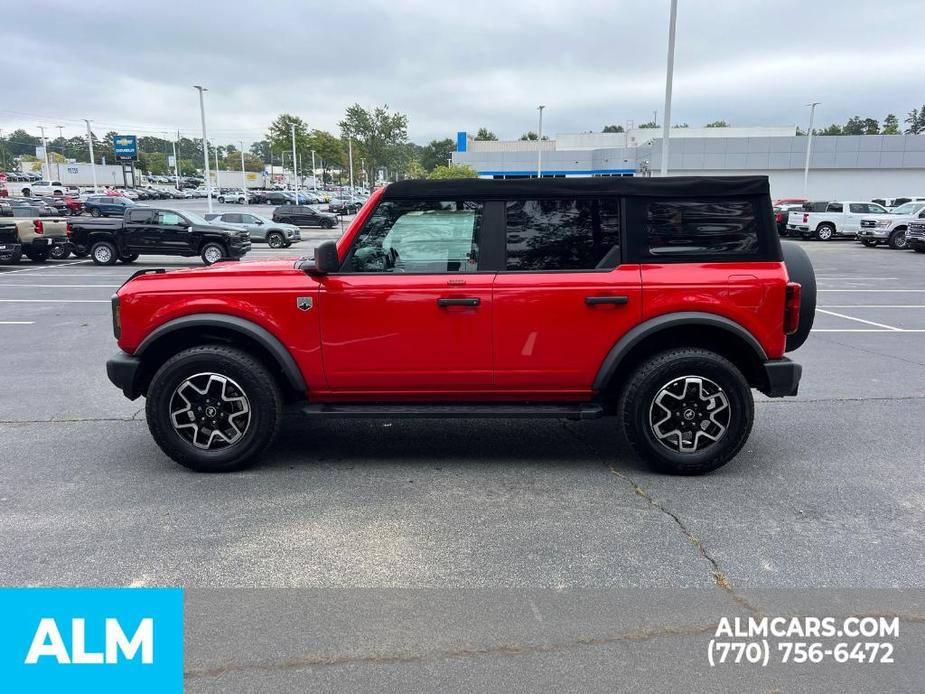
(835, 207)
(575, 234)
(231, 218)
(702, 227)
(141, 216)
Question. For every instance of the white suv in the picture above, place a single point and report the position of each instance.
(891, 230)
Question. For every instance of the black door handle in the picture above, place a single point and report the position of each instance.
(597, 300)
(459, 302)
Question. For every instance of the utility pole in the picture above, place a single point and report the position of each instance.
(243, 174)
(295, 170)
(216, 169)
(92, 159)
(45, 149)
(539, 150)
(669, 73)
(205, 145)
(314, 176)
(809, 147)
(60, 137)
(176, 163)
(350, 157)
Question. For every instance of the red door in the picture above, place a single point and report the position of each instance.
(553, 330)
(406, 335)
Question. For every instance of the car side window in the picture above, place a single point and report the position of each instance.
(876, 209)
(419, 236)
(835, 207)
(141, 217)
(857, 208)
(170, 219)
(231, 218)
(569, 234)
(248, 219)
(699, 227)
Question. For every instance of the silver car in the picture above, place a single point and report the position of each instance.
(260, 229)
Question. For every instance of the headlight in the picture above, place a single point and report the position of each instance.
(883, 224)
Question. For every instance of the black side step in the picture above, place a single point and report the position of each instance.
(584, 410)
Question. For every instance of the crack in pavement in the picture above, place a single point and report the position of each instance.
(504, 649)
(718, 574)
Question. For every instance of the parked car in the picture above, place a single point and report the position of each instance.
(890, 203)
(108, 205)
(789, 201)
(484, 298)
(259, 228)
(232, 195)
(915, 236)
(344, 207)
(782, 213)
(36, 235)
(162, 231)
(892, 230)
(303, 216)
(10, 247)
(273, 197)
(45, 188)
(840, 218)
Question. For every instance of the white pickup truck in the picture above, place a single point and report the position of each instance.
(891, 231)
(839, 218)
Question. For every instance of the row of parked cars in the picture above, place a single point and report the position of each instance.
(872, 222)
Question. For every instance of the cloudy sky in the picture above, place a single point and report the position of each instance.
(454, 65)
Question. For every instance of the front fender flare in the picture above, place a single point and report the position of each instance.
(261, 335)
(671, 320)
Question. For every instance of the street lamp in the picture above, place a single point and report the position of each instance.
(669, 73)
(45, 150)
(539, 149)
(205, 144)
(809, 146)
(295, 166)
(243, 175)
(92, 159)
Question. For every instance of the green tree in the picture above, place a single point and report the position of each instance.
(916, 121)
(261, 149)
(413, 169)
(717, 124)
(890, 125)
(485, 134)
(529, 135)
(680, 125)
(648, 125)
(453, 171)
(329, 150)
(833, 129)
(379, 133)
(252, 162)
(153, 163)
(437, 153)
(613, 129)
(20, 142)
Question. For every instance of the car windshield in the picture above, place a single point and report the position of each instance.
(196, 219)
(909, 208)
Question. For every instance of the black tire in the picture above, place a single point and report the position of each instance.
(638, 411)
(800, 269)
(824, 232)
(95, 212)
(37, 257)
(13, 258)
(81, 252)
(103, 253)
(276, 240)
(207, 253)
(26, 192)
(898, 240)
(328, 224)
(60, 251)
(129, 258)
(221, 200)
(870, 243)
(249, 377)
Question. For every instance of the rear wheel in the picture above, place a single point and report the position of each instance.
(221, 199)
(95, 212)
(275, 240)
(825, 232)
(212, 253)
(13, 258)
(898, 240)
(128, 257)
(37, 256)
(800, 269)
(686, 411)
(870, 243)
(213, 408)
(103, 253)
(60, 251)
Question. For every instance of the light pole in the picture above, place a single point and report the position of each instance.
(60, 137)
(295, 166)
(176, 164)
(45, 151)
(314, 175)
(539, 149)
(92, 158)
(669, 73)
(205, 144)
(350, 156)
(243, 175)
(809, 147)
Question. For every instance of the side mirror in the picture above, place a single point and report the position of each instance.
(326, 259)
(189, 229)
(259, 222)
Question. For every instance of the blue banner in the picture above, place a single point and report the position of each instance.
(125, 147)
(94, 640)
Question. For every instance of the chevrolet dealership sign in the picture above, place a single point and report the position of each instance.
(125, 147)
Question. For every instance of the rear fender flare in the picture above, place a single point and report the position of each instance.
(625, 344)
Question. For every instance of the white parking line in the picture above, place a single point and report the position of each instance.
(865, 330)
(43, 267)
(873, 306)
(17, 322)
(859, 320)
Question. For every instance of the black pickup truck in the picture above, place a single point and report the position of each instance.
(157, 231)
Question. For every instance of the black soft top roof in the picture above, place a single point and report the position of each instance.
(670, 186)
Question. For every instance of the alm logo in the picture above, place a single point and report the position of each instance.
(123, 142)
(48, 642)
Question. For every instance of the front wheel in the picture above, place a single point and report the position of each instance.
(95, 212)
(213, 408)
(870, 243)
(275, 240)
(222, 200)
(686, 411)
(212, 253)
(825, 232)
(60, 251)
(898, 240)
(129, 258)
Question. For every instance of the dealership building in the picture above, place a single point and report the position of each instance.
(846, 166)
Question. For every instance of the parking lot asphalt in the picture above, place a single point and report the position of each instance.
(829, 491)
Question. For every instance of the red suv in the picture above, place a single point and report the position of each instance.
(662, 301)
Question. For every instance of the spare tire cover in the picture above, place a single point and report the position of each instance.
(800, 269)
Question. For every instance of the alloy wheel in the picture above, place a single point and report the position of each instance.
(689, 414)
(210, 411)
